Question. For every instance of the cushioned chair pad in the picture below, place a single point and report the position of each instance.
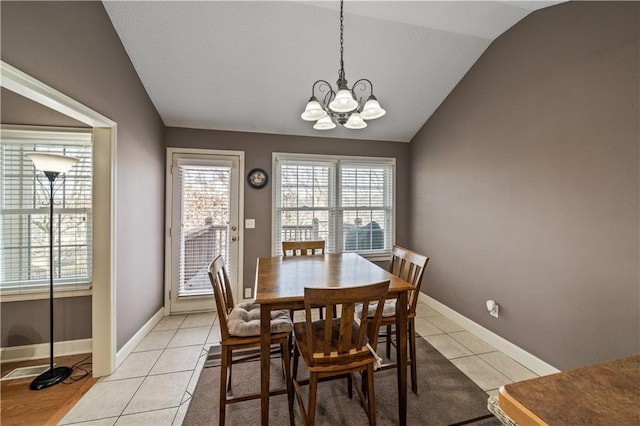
(389, 309)
(244, 320)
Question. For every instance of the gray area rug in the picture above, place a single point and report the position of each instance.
(445, 396)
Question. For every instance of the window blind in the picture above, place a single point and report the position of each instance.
(366, 207)
(24, 212)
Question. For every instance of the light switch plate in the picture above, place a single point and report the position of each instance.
(249, 223)
(247, 293)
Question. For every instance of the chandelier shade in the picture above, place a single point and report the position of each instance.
(325, 123)
(371, 109)
(313, 111)
(355, 121)
(343, 102)
(328, 106)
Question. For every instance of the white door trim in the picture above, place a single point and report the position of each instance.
(105, 139)
(239, 293)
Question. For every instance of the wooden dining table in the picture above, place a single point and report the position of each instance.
(280, 283)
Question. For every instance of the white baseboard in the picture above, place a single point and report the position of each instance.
(42, 350)
(518, 354)
(128, 347)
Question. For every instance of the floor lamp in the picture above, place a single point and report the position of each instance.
(51, 165)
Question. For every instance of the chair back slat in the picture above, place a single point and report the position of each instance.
(348, 335)
(222, 293)
(303, 248)
(409, 266)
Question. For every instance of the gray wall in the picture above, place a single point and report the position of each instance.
(16, 109)
(258, 149)
(73, 47)
(526, 186)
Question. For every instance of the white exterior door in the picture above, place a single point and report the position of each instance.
(203, 205)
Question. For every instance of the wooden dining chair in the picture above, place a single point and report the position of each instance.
(240, 330)
(339, 347)
(303, 248)
(409, 266)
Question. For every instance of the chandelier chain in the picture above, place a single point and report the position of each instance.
(341, 73)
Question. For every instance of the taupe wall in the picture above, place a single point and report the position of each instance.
(526, 186)
(16, 109)
(258, 149)
(73, 47)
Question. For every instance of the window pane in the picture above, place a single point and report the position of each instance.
(364, 230)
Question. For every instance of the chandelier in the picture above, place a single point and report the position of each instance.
(341, 106)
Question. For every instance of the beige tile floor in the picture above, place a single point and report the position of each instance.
(153, 386)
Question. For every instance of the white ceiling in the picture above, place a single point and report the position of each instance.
(249, 65)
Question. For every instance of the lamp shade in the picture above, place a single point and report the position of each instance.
(325, 123)
(355, 121)
(313, 111)
(343, 101)
(372, 109)
(53, 163)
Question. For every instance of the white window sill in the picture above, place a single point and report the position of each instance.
(39, 295)
(376, 257)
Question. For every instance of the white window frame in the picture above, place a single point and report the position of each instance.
(336, 191)
(55, 136)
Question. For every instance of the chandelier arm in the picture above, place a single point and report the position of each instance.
(323, 86)
(362, 86)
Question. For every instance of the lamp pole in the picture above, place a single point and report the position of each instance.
(52, 165)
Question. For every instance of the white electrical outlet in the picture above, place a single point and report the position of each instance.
(247, 293)
(493, 308)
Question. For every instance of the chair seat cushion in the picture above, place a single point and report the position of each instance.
(389, 309)
(244, 320)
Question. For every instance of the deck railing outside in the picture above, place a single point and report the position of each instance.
(200, 247)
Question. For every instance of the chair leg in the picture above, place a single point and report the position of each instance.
(388, 341)
(230, 372)
(364, 388)
(412, 355)
(223, 384)
(321, 313)
(296, 356)
(371, 396)
(284, 347)
(313, 394)
(350, 386)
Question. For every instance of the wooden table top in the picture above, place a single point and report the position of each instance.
(600, 394)
(282, 279)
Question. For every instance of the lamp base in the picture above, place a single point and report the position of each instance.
(50, 378)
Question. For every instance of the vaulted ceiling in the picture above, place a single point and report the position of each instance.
(249, 65)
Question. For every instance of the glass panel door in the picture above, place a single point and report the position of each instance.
(204, 225)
